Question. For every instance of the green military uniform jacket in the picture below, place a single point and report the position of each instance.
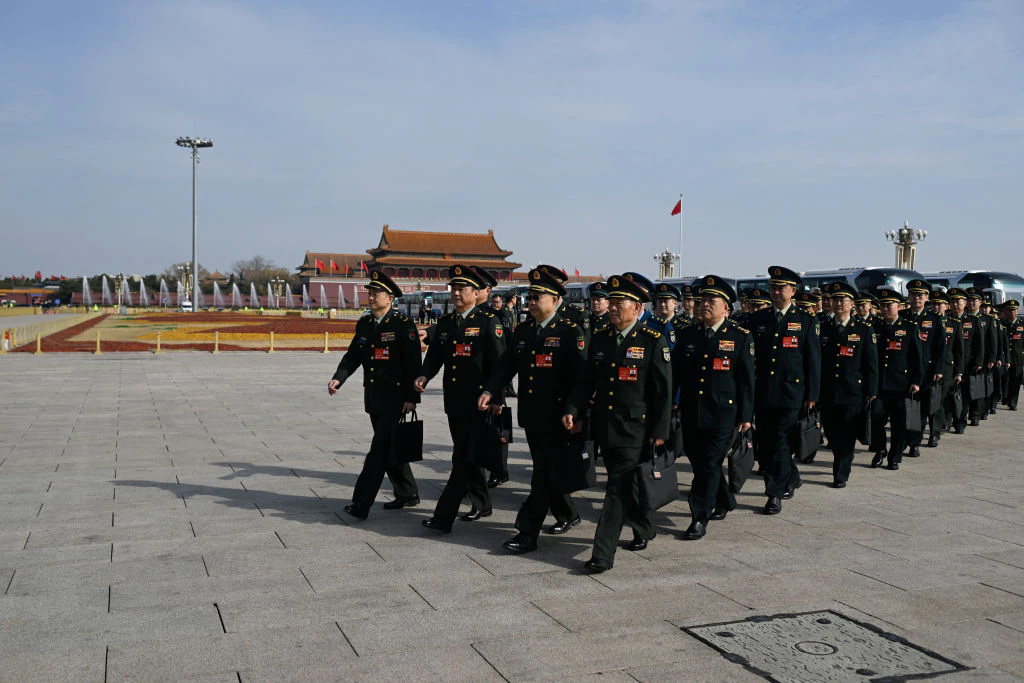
(1015, 354)
(714, 377)
(933, 343)
(630, 385)
(954, 361)
(787, 357)
(389, 354)
(899, 355)
(468, 351)
(849, 363)
(974, 341)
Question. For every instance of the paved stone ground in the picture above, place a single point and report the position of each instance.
(179, 517)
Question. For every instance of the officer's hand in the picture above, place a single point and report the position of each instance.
(420, 384)
(408, 407)
(937, 378)
(332, 387)
(496, 409)
(958, 378)
(658, 442)
(809, 405)
(990, 365)
(743, 426)
(422, 334)
(914, 389)
(484, 402)
(567, 422)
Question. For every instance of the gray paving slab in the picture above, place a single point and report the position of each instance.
(86, 664)
(920, 609)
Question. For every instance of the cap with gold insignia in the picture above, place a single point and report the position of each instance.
(973, 293)
(956, 293)
(620, 286)
(554, 271)
(890, 296)
(485, 277)
(918, 285)
(464, 275)
(642, 281)
(1010, 305)
(865, 298)
(686, 292)
(598, 290)
(544, 282)
(938, 296)
(758, 296)
(664, 290)
(712, 285)
(382, 282)
(806, 299)
(780, 275)
(840, 289)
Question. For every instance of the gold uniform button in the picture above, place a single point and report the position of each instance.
(700, 393)
(772, 372)
(703, 367)
(529, 391)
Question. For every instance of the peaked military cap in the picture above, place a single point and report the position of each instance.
(973, 293)
(664, 290)
(686, 291)
(938, 296)
(806, 299)
(889, 296)
(919, 286)
(642, 281)
(598, 290)
(554, 271)
(780, 275)
(865, 298)
(464, 275)
(838, 289)
(485, 277)
(379, 280)
(956, 293)
(545, 282)
(622, 286)
(1011, 305)
(758, 296)
(715, 286)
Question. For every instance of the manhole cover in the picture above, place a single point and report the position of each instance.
(821, 646)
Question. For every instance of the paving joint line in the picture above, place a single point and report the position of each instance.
(26, 540)
(375, 551)
(207, 569)
(1004, 590)
(308, 582)
(10, 581)
(281, 539)
(422, 598)
(345, 636)
(220, 617)
(719, 593)
(481, 655)
(541, 610)
(481, 566)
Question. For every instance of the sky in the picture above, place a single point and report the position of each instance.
(797, 131)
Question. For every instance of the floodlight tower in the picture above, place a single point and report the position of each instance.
(194, 144)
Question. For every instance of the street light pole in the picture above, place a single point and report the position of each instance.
(194, 144)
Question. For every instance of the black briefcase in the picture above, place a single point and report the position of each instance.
(864, 426)
(934, 398)
(407, 439)
(675, 438)
(741, 459)
(486, 441)
(574, 466)
(806, 436)
(913, 408)
(976, 386)
(659, 484)
(989, 384)
(958, 404)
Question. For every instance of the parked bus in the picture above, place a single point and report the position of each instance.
(1002, 286)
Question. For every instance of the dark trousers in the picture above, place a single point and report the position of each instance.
(925, 396)
(965, 392)
(706, 450)
(465, 478)
(1013, 385)
(774, 425)
(377, 463)
(545, 446)
(621, 502)
(976, 407)
(893, 409)
(841, 424)
(997, 388)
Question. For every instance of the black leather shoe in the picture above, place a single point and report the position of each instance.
(773, 506)
(561, 527)
(717, 514)
(892, 466)
(520, 543)
(878, 459)
(496, 480)
(638, 544)
(596, 566)
(914, 452)
(399, 503)
(958, 430)
(933, 440)
(792, 489)
(474, 514)
(695, 531)
(838, 484)
(357, 511)
(434, 525)
(991, 411)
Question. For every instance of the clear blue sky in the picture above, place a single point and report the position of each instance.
(797, 131)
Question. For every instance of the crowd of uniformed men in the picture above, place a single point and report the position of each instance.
(691, 374)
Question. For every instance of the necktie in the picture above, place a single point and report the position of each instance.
(460, 321)
(618, 340)
(709, 332)
(778, 316)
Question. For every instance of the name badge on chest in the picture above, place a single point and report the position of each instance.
(463, 349)
(895, 345)
(791, 342)
(543, 360)
(720, 364)
(628, 374)
(382, 354)
(847, 351)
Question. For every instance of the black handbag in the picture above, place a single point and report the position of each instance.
(958, 404)
(407, 439)
(741, 459)
(976, 386)
(864, 428)
(659, 484)
(574, 466)
(934, 397)
(485, 447)
(806, 436)
(989, 384)
(913, 408)
(675, 438)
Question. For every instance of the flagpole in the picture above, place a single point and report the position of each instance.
(680, 235)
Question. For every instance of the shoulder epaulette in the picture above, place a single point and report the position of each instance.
(401, 316)
(654, 333)
(487, 312)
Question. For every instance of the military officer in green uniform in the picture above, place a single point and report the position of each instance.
(687, 301)
(468, 343)
(974, 352)
(987, 341)
(787, 364)
(598, 293)
(546, 352)
(899, 375)
(865, 304)
(999, 333)
(1015, 352)
(952, 367)
(628, 375)
(849, 377)
(933, 352)
(387, 348)
(713, 373)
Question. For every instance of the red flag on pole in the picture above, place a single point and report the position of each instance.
(346, 267)
(577, 272)
(678, 208)
(319, 264)
(362, 266)
(334, 266)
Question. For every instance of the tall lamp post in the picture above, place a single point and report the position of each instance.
(905, 239)
(666, 264)
(194, 144)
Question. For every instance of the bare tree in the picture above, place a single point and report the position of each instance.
(171, 271)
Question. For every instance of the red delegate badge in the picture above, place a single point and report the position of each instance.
(543, 360)
(720, 364)
(381, 354)
(790, 342)
(463, 349)
(847, 351)
(628, 374)
(895, 345)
